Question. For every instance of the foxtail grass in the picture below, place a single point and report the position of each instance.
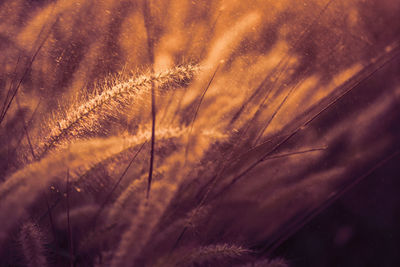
(111, 99)
(32, 242)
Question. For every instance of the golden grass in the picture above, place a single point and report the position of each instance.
(170, 163)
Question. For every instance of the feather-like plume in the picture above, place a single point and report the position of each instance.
(86, 115)
(22, 188)
(213, 253)
(32, 241)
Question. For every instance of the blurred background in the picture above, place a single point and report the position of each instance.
(55, 53)
(360, 229)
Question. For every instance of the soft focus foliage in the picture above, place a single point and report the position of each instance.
(247, 117)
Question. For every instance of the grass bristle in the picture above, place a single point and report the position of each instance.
(33, 242)
(197, 133)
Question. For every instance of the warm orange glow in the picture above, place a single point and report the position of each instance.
(187, 132)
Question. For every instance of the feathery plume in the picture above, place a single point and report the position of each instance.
(86, 115)
(32, 242)
(22, 188)
(143, 223)
(213, 253)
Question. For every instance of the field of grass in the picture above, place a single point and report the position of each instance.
(187, 133)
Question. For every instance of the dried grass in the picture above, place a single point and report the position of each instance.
(164, 177)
